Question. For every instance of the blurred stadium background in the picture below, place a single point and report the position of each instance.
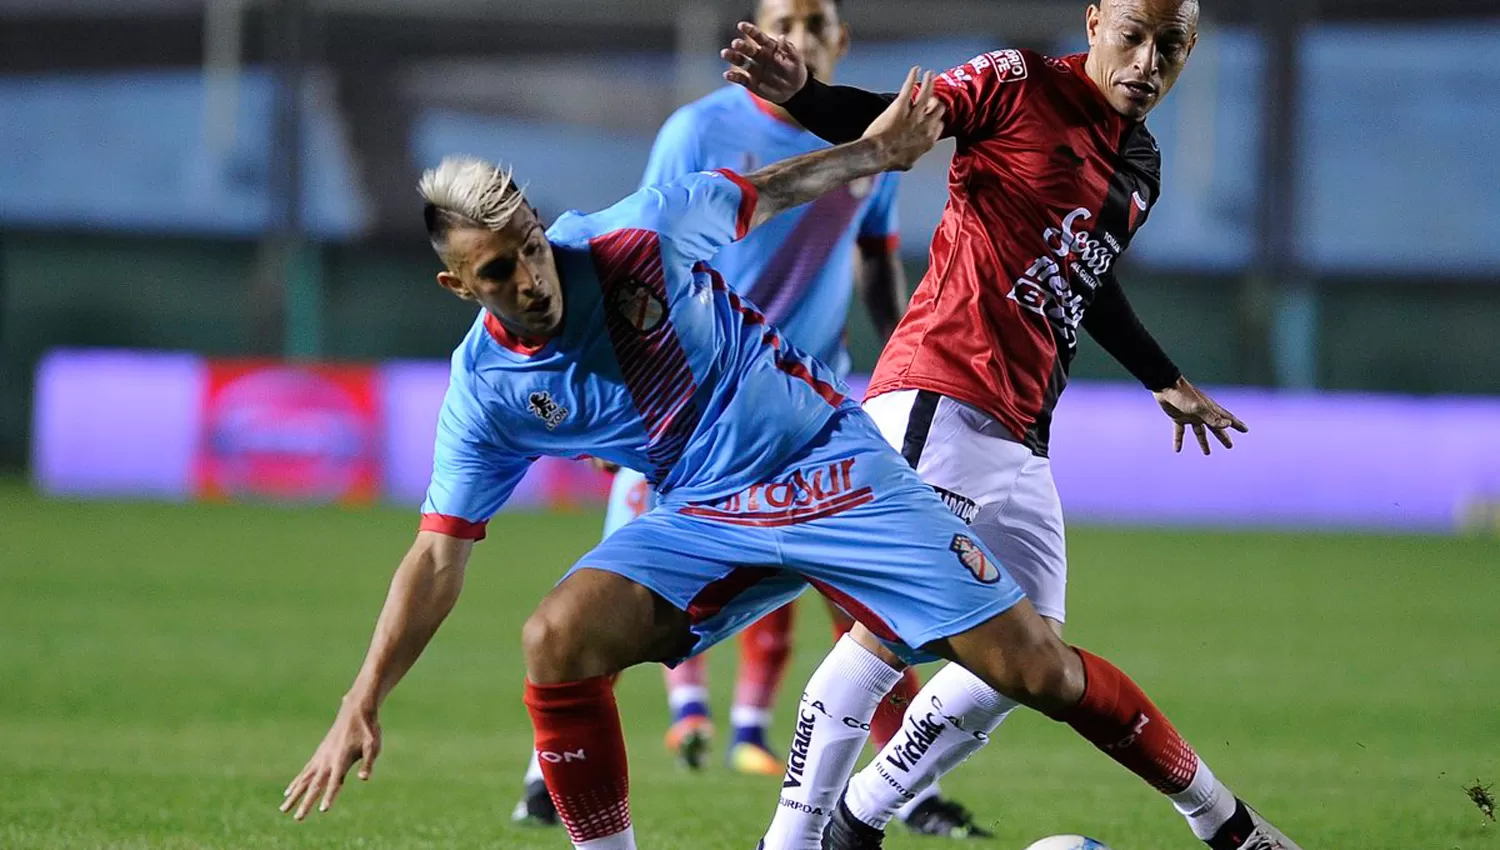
(216, 301)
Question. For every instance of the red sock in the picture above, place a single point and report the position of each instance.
(1118, 718)
(892, 710)
(582, 754)
(765, 648)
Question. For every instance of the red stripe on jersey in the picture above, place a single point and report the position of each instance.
(652, 362)
(856, 610)
(718, 593)
(453, 526)
(749, 199)
(792, 367)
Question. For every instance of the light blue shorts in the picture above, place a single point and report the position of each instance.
(847, 516)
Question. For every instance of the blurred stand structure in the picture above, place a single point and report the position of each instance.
(234, 178)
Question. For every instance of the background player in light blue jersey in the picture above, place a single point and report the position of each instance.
(609, 334)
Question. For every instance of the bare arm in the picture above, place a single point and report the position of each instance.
(422, 593)
(881, 285)
(905, 131)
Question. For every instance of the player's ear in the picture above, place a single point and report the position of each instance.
(454, 284)
(844, 41)
(1091, 22)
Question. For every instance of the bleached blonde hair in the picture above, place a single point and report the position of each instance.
(465, 191)
(474, 189)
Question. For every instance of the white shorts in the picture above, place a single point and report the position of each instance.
(1003, 491)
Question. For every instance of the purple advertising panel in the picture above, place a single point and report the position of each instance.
(122, 423)
(116, 423)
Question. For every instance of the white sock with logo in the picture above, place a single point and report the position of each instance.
(950, 719)
(833, 723)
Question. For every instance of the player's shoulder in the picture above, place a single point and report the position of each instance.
(717, 109)
(1004, 66)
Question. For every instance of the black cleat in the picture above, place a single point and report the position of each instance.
(847, 832)
(1247, 830)
(535, 807)
(944, 819)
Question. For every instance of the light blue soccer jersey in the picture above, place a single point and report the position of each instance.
(798, 267)
(659, 366)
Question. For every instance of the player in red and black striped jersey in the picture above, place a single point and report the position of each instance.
(1054, 173)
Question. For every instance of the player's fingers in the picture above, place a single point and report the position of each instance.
(908, 86)
(924, 94)
(310, 795)
(753, 34)
(367, 759)
(1223, 437)
(335, 782)
(1202, 434)
(294, 791)
(737, 76)
(1236, 424)
(747, 48)
(1177, 437)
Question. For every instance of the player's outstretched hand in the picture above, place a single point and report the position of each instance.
(1189, 407)
(355, 736)
(770, 67)
(911, 125)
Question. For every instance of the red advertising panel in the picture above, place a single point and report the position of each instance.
(285, 432)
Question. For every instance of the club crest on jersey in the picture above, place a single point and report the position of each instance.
(641, 308)
(973, 558)
(547, 410)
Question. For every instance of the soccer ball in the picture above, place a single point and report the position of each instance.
(1067, 842)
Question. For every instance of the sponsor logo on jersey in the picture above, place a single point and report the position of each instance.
(547, 410)
(1073, 253)
(803, 496)
(962, 506)
(972, 556)
(641, 308)
(1008, 65)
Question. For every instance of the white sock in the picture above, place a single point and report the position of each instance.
(922, 796)
(1206, 803)
(681, 695)
(743, 716)
(533, 770)
(949, 720)
(619, 841)
(833, 723)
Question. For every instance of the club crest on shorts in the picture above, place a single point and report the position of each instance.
(973, 558)
(641, 308)
(547, 410)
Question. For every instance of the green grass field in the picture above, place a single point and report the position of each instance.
(166, 670)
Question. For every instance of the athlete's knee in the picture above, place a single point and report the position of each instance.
(553, 651)
(1021, 655)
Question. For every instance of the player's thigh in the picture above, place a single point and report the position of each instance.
(596, 623)
(988, 480)
(629, 497)
(715, 580)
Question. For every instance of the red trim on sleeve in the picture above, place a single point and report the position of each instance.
(453, 526)
(749, 198)
(886, 244)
